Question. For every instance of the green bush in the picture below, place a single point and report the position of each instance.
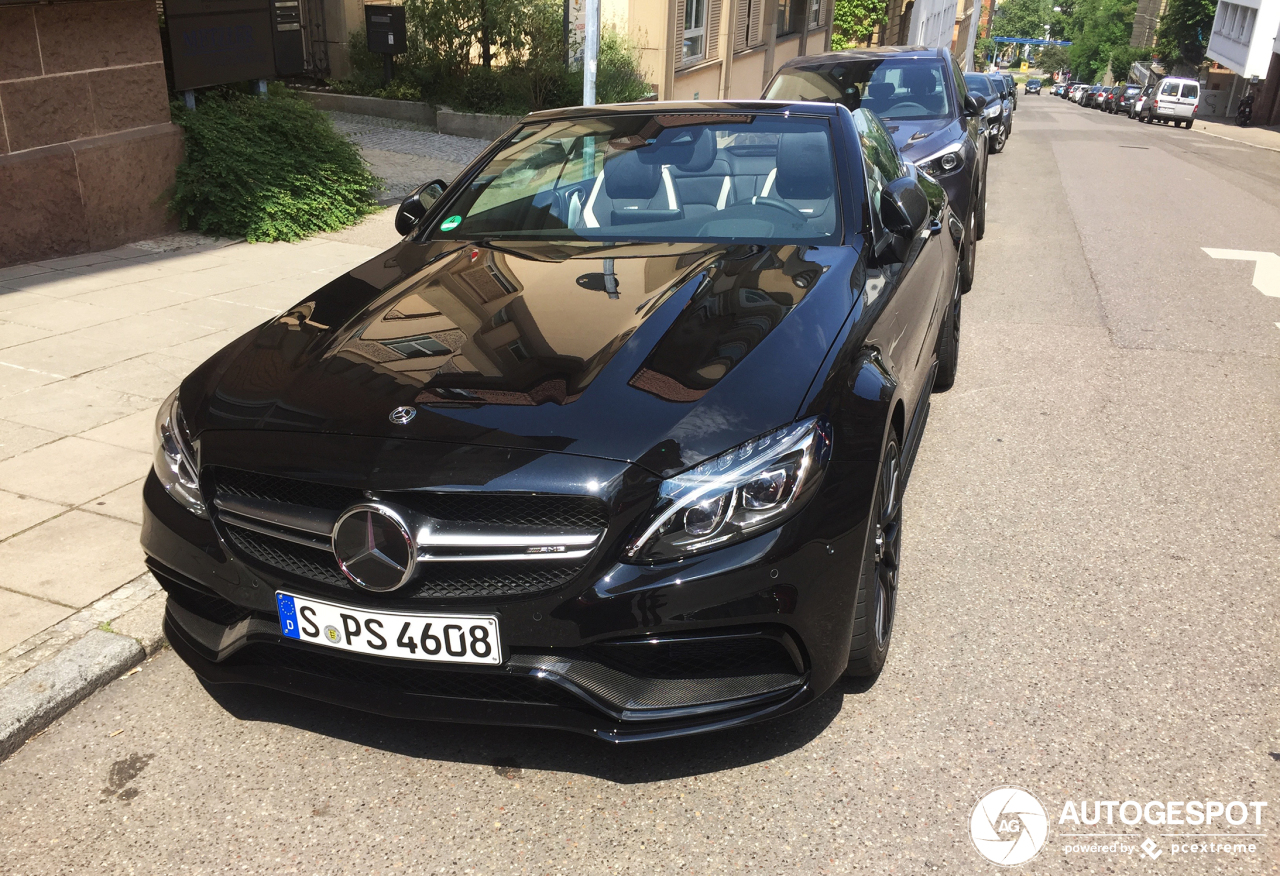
(267, 169)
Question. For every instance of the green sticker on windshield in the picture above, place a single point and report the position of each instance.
(451, 223)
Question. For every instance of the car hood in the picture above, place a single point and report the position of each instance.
(916, 140)
(656, 354)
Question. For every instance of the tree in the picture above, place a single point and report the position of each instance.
(1022, 19)
(1097, 28)
(855, 21)
(984, 50)
(1053, 58)
(1184, 30)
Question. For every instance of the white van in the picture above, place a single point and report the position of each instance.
(1175, 100)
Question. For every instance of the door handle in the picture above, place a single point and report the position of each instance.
(935, 227)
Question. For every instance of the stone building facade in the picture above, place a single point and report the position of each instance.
(87, 148)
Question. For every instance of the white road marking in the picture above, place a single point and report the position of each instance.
(1266, 270)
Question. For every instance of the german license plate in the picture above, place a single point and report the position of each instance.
(435, 638)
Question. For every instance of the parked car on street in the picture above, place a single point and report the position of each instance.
(1032, 87)
(1078, 92)
(1126, 97)
(1058, 89)
(1013, 88)
(614, 440)
(921, 97)
(1174, 100)
(997, 113)
(1093, 97)
(1109, 97)
(1006, 95)
(1135, 106)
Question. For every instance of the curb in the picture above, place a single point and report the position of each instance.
(33, 701)
(1202, 130)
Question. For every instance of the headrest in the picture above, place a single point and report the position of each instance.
(677, 147)
(919, 81)
(881, 90)
(702, 155)
(853, 97)
(626, 176)
(804, 167)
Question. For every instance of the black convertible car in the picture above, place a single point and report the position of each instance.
(615, 440)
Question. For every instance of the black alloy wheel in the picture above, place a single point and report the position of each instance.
(969, 254)
(948, 348)
(877, 602)
(980, 222)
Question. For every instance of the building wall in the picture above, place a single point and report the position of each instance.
(87, 150)
(1243, 35)
(1145, 20)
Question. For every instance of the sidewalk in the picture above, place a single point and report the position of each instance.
(1265, 138)
(89, 347)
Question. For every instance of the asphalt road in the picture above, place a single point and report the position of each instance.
(1088, 610)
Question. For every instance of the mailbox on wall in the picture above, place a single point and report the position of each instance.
(385, 30)
(213, 42)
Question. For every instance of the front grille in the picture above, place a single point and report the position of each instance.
(410, 677)
(434, 580)
(697, 658)
(570, 513)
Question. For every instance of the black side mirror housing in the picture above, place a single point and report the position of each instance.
(904, 209)
(974, 104)
(414, 207)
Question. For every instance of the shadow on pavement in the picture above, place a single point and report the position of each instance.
(511, 749)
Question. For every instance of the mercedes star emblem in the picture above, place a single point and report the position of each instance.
(402, 415)
(374, 547)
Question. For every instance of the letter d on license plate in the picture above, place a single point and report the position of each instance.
(436, 638)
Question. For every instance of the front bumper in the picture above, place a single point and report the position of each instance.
(789, 611)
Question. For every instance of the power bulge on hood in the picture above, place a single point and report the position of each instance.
(921, 97)
(613, 441)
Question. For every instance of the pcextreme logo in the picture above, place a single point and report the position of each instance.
(1009, 826)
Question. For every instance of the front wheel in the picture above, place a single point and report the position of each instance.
(1189, 121)
(949, 343)
(969, 255)
(877, 601)
(980, 223)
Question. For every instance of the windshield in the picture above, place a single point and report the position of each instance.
(670, 177)
(895, 89)
(979, 83)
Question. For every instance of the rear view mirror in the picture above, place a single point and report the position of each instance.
(414, 207)
(974, 104)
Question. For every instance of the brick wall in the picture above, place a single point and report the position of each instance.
(87, 150)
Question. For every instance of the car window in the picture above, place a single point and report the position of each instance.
(1191, 90)
(1169, 89)
(895, 89)
(979, 83)
(668, 177)
(878, 146)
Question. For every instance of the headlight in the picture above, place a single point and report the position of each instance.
(742, 492)
(175, 460)
(942, 163)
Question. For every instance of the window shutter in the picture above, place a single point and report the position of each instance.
(753, 26)
(740, 25)
(679, 34)
(712, 29)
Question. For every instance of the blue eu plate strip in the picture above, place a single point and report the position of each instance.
(288, 615)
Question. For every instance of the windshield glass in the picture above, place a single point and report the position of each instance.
(895, 89)
(671, 177)
(979, 83)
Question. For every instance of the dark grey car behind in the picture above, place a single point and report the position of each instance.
(921, 97)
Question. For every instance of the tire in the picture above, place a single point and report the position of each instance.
(1189, 123)
(969, 255)
(997, 144)
(874, 610)
(949, 342)
(980, 221)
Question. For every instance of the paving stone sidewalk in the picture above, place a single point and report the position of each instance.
(1264, 137)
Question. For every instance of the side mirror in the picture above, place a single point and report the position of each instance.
(974, 104)
(904, 208)
(414, 207)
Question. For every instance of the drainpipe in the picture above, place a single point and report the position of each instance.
(668, 83)
(726, 69)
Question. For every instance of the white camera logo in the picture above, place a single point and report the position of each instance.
(1008, 827)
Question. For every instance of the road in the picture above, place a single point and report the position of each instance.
(1088, 610)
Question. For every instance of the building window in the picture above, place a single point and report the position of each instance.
(790, 16)
(815, 13)
(695, 29)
